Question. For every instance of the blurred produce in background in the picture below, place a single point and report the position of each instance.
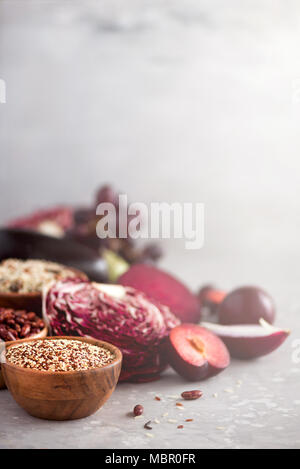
(79, 223)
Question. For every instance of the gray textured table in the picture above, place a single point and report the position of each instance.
(257, 405)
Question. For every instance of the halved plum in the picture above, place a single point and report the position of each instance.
(163, 288)
(247, 341)
(195, 352)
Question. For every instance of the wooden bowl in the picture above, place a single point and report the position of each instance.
(64, 395)
(29, 301)
(42, 334)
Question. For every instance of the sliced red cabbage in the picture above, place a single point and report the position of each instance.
(120, 315)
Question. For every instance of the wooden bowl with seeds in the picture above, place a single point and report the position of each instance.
(40, 335)
(62, 378)
(22, 281)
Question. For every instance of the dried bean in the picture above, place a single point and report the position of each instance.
(7, 316)
(25, 330)
(31, 316)
(10, 336)
(20, 320)
(191, 395)
(138, 410)
(3, 332)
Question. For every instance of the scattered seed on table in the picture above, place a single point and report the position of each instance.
(148, 426)
(157, 398)
(180, 426)
(138, 410)
(189, 420)
(172, 421)
(191, 395)
(179, 404)
(149, 435)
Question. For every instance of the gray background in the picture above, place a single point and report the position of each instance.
(170, 101)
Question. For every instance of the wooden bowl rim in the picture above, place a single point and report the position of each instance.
(37, 294)
(10, 295)
(99, 343)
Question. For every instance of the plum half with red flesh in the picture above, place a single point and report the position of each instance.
(195, 352)
(247, 341)
(163, 288)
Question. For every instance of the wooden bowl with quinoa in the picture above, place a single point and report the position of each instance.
(22, 281)
(62, 378)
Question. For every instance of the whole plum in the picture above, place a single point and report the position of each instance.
(246, 305)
